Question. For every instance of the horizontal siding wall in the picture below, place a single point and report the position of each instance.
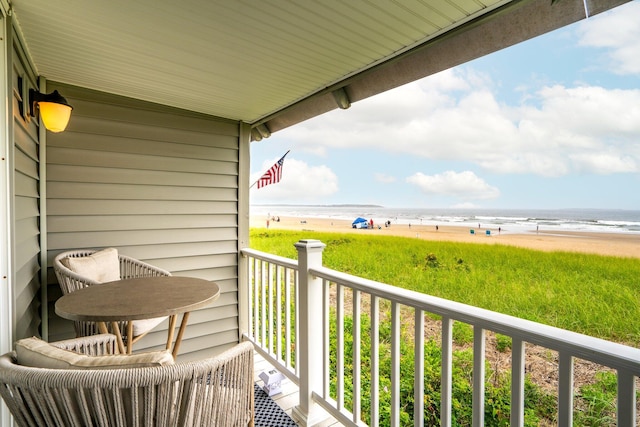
(158, 184)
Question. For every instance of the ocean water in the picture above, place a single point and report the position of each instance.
(509, 220)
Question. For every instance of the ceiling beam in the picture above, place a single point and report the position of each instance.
(513, 23)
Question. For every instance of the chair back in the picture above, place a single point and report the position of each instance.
(212, 392)
(71, 281)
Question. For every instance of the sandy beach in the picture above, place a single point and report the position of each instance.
(614, 244)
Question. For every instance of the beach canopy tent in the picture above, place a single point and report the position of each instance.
(360, 223)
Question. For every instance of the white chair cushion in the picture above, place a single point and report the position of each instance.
(142, 326)
(101, 266)
(104, 266)
(37, 353)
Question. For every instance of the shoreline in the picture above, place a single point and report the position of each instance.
(610, 244)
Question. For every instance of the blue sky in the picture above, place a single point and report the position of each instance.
(550, 123)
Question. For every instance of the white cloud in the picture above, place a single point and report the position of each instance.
(558, 130)
(606, 164)
(617, 31)
(384, 178)
(300, 183)
(463, 185)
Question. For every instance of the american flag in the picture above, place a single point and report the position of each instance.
(273, 175)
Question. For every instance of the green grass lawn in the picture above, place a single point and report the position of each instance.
(591, 294)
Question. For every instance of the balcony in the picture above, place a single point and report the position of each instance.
(309, 321)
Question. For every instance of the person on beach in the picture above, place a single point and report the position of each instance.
(436, 228)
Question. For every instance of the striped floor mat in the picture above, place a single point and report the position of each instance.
(267, 412)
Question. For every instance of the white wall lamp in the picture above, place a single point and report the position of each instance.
(55, 111)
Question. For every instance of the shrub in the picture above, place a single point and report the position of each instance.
(503, 343)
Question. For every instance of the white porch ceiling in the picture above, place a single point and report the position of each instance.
(269, 61)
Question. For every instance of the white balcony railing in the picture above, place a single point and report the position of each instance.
(292, 305)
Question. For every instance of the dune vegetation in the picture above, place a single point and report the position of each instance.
(590, 294)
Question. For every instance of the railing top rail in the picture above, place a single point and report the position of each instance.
(285, 262)
(607, 353)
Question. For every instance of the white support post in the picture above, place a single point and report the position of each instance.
(307, 412)
(245, 281)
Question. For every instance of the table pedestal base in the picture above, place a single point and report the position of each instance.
(122, 349)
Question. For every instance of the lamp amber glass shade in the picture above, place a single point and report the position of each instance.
(54, 116)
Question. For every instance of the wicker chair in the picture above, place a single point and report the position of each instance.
(212, 392)
(129, 268)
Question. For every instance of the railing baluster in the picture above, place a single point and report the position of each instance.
(296, 323)
(395, 364)
(256, 299)
(626, 399)
(326, 319)
(565, 389)
(479, 344)
(270, 308)
(517, 382)
(287, 320)
(278, 312)
(250, 293)
(357, 384)
(340, 346)
(418, 380)
(447, 372)
(375, 361)
(263, 303)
